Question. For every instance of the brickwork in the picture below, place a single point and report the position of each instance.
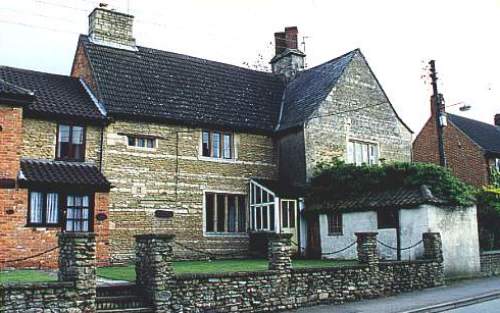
(465, 158)
(173, 176)
(371, 119)
(10, 141)
(81, 68)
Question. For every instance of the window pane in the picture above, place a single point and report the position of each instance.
(350, 152)
(271, 216)
(227, 146)
(231, 214)
(141, 142)
(206, 143)
(221, 214)
(258, 195)
(364, 153)
(85, 201)
(36, 199)
(52, 208)
(216, 145)
(284, 214)
(265, 219)
(77, 152)
(64, 133)
(150, 143)
(77, 137)
(85, 226)
(242, 214)
(209, 212)
(358, 153)
(291, 212)
(258, 225)
(131, 141)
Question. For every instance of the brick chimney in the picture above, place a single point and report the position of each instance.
(288, 59)
(111, 28)
(497, 119)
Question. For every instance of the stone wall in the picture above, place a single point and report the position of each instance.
(107, 26)
(282, 287)
(371, 119)
(490, 263)
(173, 176)
(75, 291)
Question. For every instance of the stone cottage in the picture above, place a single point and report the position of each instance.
(220, 150)
(400, 217)
(50, 178)
(471, 147)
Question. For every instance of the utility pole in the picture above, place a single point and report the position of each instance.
(440, 115)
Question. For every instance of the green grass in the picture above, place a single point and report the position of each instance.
(217, 266)
(21, 276)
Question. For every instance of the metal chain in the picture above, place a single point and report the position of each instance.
(402, 249)
(30, 257)
(341, 250)
(209, 254)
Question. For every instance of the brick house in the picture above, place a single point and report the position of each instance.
(472, 147)
(50, 129)
(219, 150)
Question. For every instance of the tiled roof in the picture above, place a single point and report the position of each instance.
(281, 189)
(54, 95)
(399, 198)
(68, 175)
(165, 86)
(487, 136)
(11, 89)
(309, 88)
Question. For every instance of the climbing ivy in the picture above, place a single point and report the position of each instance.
(488, 216)
(335, 180)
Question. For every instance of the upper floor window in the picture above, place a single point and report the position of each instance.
(141, 141)
(217, 145)
(225, 213)
(70, 143)
(335, 227)
(362, 153)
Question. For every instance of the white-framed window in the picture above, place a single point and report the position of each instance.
(78, 213)
(141, 141)
(217, 144)
(225, 213)
(43, 209)
(359, 152)
(262, 209)
(335, 227)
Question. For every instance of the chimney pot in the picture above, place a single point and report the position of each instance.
(288, 59)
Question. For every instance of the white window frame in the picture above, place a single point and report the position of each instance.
(136, 137)
(240, 233)
(254, 207)
(368, 143)
(221, 159)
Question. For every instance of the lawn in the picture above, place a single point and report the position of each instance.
(217, 266)
(19, 276)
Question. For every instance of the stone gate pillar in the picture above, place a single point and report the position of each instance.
(153, 268)
(432, 246)
(77, 263)
(279, 252)
(367, 248)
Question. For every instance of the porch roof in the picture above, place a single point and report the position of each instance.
(62, 175)
(281, 189)
(396, 198)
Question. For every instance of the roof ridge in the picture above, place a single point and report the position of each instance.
(473, 120)
(36, 72)
(334, 59)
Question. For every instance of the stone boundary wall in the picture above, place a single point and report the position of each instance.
(490, 263)
(75, 292)
(282, 287)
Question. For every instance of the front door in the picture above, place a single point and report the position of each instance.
(289, 220)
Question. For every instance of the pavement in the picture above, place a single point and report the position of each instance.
(472, 292)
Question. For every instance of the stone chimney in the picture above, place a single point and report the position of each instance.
(497, 119)
(111, 28)
(288, 59)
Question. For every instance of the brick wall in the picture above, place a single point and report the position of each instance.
(10, 140)
(327, 134)
(81, 68)
(465, 159)
(149, 179)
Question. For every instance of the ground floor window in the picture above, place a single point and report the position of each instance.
(225, 213)
(335, 227)
(54, 209)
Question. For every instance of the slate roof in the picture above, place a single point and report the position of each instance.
(398, 198)
(487, 136)
(45, 173)
(55, 96)
(281, 189)
(309, 88)
(164, 86)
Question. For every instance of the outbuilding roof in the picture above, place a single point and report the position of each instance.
(69, 175)
(396, 198)
(54, 96)
(487, 136)
(281, 189)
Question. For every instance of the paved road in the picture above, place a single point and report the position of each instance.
(415, 300)
(485, 307)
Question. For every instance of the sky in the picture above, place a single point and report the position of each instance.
(398, 38)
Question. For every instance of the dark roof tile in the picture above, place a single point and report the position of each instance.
(487, 136)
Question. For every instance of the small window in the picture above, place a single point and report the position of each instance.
(70, 143)
(43, 209)
(78, 213)
(225, 213)
(387, 219)
(217, 145)
(335, 227)
(141, 142)
(362, 153)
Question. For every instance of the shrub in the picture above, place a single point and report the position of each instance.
(488, 217)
